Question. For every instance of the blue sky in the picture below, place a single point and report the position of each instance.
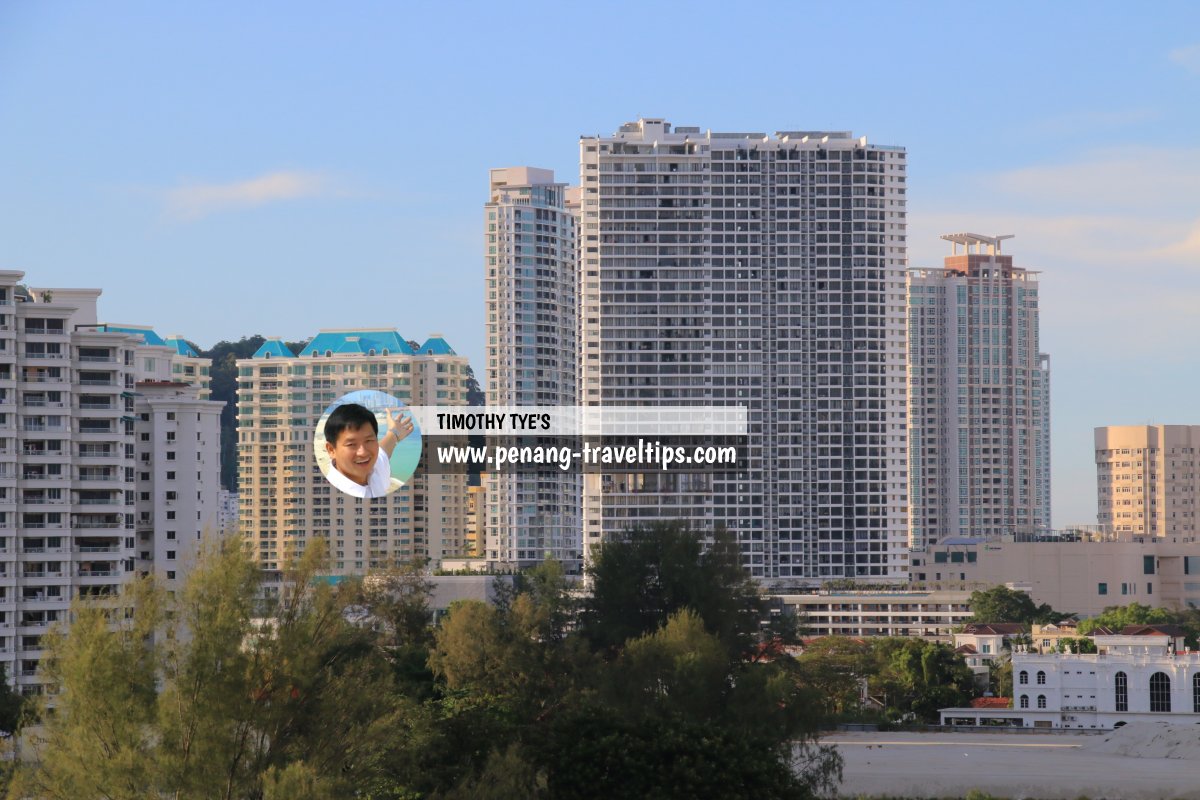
(226, 169)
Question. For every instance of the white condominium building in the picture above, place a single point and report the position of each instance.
(70, 474)
(741, 269)
(179, 477)
(532, 353)
(285, 500)
(1148, 479)
(978, 397)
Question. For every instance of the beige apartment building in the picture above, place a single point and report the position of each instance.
(1148, 479)
(284, 500)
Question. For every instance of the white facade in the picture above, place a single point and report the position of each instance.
(285, 500)
(1133, 678)
(532, 354)
(179, 477)
(227, 505)
(69, 471)
(767, 272)
(978, 398)
(892, 613)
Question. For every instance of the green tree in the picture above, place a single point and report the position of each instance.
(1118, 617)
(1001, 604)
(12, 705)
(642, 578)
(919, 677)
(837, 667)
(100, 740)
(195, 696)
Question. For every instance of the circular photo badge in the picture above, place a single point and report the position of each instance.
(367, 444)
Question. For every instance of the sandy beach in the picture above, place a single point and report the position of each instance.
(1028, 766)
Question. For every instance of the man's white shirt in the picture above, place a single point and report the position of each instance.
(377, 485)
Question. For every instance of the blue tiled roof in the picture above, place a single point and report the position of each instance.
(181, 346)
(148, 335)
(437, 346)
(343, 342)
(274, 349)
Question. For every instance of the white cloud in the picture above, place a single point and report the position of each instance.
(1133, 177)
(1186, 57)
(194, 201)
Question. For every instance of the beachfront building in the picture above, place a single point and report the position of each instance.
(285, 501)
(762, 271)
(1142, 673)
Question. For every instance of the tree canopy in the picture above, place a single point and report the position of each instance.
(1001, 604)
(347, 691)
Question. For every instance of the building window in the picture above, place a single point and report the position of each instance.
(1024, 701)
(1160, 693)
(1102, 588)
(1041, 679)
(170, 555)
(1122, 691)
(1147, 565)
(1041, 701)
(1024, 679)
(1196, 693)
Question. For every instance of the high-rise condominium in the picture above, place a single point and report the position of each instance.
(1148, 480)
(763, 271)
(285, 500)
(108, 465)
(978, 397)
(532, 354)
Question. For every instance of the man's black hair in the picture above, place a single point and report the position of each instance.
(348, 415)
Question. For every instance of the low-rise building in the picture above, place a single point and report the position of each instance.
(1138, 674)
(880, 613)
(1078, 575)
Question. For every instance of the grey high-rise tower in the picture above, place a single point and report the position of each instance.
(532, 355)
(767, 272)
(979, 397)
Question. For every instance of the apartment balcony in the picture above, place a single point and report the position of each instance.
(96, 359)
(93, 477)
(108, 522)
(39, 379)
(98, 548)
(99, 573)
(43, 428)
(99, 455)
(42, 455)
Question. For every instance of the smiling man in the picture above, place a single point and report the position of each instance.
(353, 444)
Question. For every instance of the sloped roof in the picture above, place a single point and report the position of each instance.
(181, 346)
(1153, 630)
(273, 348)
(435, 345)
(363, 342)
(148, 335)
(966, 650)
(991, 702)
(995, 628)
